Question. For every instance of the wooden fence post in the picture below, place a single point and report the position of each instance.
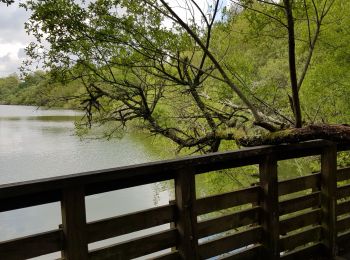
(74, 224)
(328, 198)
(186, 217)
(269, 204)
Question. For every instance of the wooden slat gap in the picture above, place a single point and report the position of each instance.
(300, 220)
(290, 242)
(136, 247)
(227, 200)
(128, 223)
(289, 186)
(32, 246)
(228, 221)
(343, 174)
(230, 242)
(302, 202)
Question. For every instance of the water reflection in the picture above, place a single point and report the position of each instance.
(41, 143)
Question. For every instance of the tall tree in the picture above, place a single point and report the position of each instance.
(157, 62)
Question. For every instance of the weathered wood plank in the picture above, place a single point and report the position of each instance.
(299, 203)
(186, 217)
(123, 177)
(343, 174)
(120, 225)
(301, 220)
(74, 224)
(231, 242)
(291, 242)
(329, 199)
(252, 252)
(136, 247)
(343, 208)
(269, 206)
(32, 246)
(227, 222)
(227, 200)
(343, 224)
(35, 199)
(307, 252)
(298, 184)
(343, 240)
(174, 255)
(343, 191)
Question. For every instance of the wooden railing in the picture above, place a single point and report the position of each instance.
(265, 221)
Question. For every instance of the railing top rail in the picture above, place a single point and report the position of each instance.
(49, 189)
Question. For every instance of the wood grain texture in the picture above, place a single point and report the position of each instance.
(290, 242)
(136, 247)
(311, 181)
(227, 200)
(270, 207)
(308, 252)
(128, 223)
(329, 199)
(311, 217)
(299, 203)
(32, 246)
(343, 174)
(186, 216)
(229, 221)
(74, 224)
(229, 243)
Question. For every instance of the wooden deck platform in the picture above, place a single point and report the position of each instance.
(301, 218)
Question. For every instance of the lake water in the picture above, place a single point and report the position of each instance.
(41, 143)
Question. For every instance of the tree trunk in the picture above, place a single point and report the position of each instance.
(292, 65)
(336, 133)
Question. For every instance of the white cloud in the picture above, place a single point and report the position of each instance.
(13, 38)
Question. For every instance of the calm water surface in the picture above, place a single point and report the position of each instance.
(41, 143)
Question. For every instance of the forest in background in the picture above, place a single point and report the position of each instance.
(189, 114)
(36, 89)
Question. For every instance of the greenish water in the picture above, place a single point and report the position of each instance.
(38, 144)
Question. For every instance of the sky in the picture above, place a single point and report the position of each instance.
(13, 38)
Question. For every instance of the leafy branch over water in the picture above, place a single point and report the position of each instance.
(198, 75)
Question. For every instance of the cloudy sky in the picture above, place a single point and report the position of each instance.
(13, 38)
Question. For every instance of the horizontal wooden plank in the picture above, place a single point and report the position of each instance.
(307, 252)
(136, 247)
(120, 225)
(343, 240)
(343, 174)
(32, 246)
(342, 146)
(343, 224)
(227, 222)
(128, 176)
(227, 200)
(231, 242)
(298, 184)
(291, 242)
(343, 208)
(174, 255)
(343, 191)
(301, 220)
(299, 203)
(40, 198)
(252, 252)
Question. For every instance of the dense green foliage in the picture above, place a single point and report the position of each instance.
(37, 89)
(197, 83)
